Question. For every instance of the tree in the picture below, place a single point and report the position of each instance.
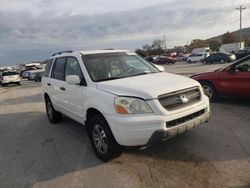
(247, 42)
(146, 47)
(214, 44)
(156, 44)
(197, 43)
(141, 52)
(228, 38)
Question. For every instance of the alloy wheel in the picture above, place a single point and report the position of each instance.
(100, 139)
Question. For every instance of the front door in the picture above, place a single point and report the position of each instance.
(74, 97)
(237, 82)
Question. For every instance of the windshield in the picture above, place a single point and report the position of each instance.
(108, 66)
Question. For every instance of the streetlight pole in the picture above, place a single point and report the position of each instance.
(241, 8)
(165, 47)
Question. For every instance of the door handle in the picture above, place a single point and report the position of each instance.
(62, 88)
(48, 84)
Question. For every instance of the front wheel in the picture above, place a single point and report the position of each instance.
(222, 61)
(102, 139)
(53, 115)
(209, 90)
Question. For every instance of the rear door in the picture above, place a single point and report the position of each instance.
(57, 82)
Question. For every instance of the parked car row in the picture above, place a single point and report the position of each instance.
(219, 57)
(205, 58)
(161, 59)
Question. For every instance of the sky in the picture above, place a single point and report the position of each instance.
(32, 30)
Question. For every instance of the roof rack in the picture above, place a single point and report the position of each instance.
(66, 51)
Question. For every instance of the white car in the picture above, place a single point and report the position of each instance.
(196, 57)
(122, 99)
(9, 78)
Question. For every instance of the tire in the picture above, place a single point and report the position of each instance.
(204, 62)
(209, 90)
(102, 139)
(222, 61)
(189, 61)
(53, 115)
(18, 83)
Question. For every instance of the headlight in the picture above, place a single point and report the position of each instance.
(130, 105)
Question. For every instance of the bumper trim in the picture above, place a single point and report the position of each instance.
(161, 135)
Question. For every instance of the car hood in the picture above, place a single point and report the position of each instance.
(147, 86)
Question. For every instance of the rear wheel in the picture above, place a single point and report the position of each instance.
(222, 61)
(209, 90)
(102, 139)
(53, 115)
(189, 61)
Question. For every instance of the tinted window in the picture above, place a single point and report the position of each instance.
(9, 73)
(47, 67)
(244, 66)
(73, 67)
(59, 69)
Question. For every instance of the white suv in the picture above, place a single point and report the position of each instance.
(121, 99)
(197, 57)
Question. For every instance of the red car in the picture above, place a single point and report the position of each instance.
(233, 80)
(165, 60)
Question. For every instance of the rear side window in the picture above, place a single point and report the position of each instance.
(47, 67)
(58, 71)
(10, 73)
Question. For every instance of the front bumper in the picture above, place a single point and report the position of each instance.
(10, 81)
(146, 130)
(161, 135)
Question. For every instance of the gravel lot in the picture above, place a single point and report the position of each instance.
(36, 153)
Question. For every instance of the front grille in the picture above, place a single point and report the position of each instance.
(178, 99)
(184, 119)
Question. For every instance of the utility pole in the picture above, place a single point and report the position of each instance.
(241, 8)
(165, 47)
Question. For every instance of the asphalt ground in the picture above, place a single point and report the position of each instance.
(36, 153)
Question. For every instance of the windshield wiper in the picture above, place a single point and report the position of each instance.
(142, 73)
(106, 79)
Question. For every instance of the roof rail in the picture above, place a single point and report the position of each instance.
(66, 51)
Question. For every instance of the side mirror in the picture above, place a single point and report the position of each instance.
(232, 70)
(73, 80)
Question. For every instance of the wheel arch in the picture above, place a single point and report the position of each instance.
(210, 82)
(90, 113)
(46, 96)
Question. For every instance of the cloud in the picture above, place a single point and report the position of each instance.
(23, 31)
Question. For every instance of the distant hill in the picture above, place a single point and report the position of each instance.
(245, 31)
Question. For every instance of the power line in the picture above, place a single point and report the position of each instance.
(241, 8)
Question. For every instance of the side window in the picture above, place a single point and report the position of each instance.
(244, 66)
(73, 68)
(58, 71)
(47, 67)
